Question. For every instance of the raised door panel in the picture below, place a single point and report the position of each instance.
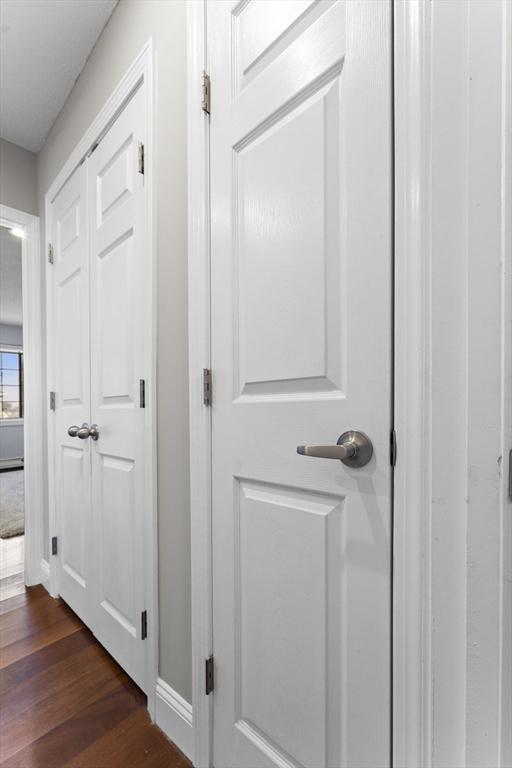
(71, 303)
(259, 37)
(75, 480)
(71, 296)
(289, 251)
(69, 230)
(300, 538)
(117, 542)
(114, 181)
(115, 292)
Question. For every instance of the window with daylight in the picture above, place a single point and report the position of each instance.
(11, 385)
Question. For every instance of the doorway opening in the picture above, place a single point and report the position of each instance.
(12, 491)
(22, 496)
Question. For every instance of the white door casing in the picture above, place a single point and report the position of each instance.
(301, 254)
(70, 344)
(101, 319)
(119, 315)
(33, 345)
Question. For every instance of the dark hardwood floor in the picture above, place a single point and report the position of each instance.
(64, 702)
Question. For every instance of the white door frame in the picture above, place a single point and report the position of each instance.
(412, 416)
(199, 358)
(32, 286)
(141, 70)
(411, 631)
(427, 125)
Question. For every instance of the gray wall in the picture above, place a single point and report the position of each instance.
(12, 335)
(11, 435)
(18, 178)
(11, 441)
(132, 23)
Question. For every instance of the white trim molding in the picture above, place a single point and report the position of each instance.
(452, 681)
(32, 285)
(505, 523)
(411, 525)
(199, 358)
(140, 71)
(173, 714)
(45, 574)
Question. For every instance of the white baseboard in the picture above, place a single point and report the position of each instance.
(45, 574)
(11, 464)
(174, 716)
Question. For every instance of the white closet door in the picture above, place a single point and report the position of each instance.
(120, 315)
(70, 344)
(301, 254)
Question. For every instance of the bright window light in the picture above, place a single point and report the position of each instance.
(18, 232)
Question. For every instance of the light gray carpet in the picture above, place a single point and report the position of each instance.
(12, 504)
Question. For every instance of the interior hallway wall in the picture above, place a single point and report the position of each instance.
(18, 178)
(130, 26)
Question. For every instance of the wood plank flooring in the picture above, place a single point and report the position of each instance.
(64, 702)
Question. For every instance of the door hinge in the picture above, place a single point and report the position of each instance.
(207, 386)
(141, 157)
(50, 253)
(89, 153)
(392, 448)
(143, 625)
(205, 93)
(52, 401)
(54, 545)
(142, 393)
(510, 475)
(208, 675)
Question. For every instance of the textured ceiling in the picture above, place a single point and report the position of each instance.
(44, 45)
(11, 310)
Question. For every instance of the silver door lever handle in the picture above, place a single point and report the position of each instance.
(340, 452)
(353, 448)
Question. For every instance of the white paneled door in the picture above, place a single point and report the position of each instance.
(101, 275)
(69, 342)
(119, 319)
(301, 255)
